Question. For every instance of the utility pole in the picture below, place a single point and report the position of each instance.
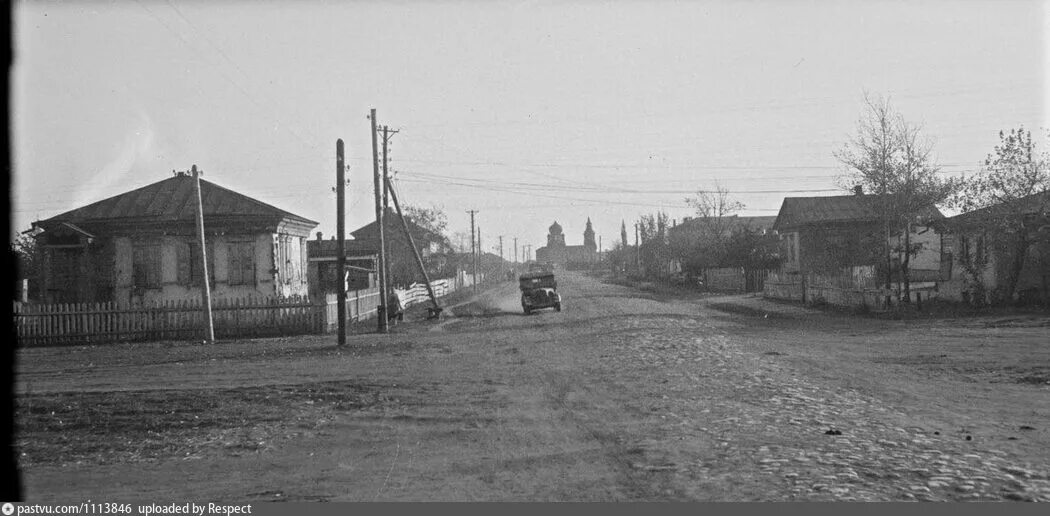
(384, 326)
(599, 250)
(502, 274)
(515, 250)
(340, 229)
(473, 252)
(387, 134)
(204, 253)
(481, 252)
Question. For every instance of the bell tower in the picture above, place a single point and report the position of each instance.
(588, 237)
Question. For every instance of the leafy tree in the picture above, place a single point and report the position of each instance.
(28, 260)
(704, 244)
(1013, 171)
(751, 249)
(890, 158)
(655, 252)
(433, 219)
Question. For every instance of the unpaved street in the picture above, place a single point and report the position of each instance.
(625, 395)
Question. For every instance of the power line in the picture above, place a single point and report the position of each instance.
(244, 92)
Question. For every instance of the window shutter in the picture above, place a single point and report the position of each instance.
(233, 265)
(183, 263)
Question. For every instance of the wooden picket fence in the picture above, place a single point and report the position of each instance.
(98, 323)
(86, 323)
(417, 292)
(360, 305)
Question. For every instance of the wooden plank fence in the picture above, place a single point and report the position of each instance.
(856, 288)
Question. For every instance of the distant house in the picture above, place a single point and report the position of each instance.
(826, 234)
(401, 265)
(978, 236)
(141, 246)
(361, 266)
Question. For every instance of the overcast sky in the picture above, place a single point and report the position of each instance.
(528, 111)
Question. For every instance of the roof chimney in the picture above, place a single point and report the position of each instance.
(858, 190)
(320, 236)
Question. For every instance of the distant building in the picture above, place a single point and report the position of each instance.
(557, 252)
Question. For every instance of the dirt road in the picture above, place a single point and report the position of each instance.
(624, 395)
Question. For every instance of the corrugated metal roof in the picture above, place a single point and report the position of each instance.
(797, 211)
(173, 199)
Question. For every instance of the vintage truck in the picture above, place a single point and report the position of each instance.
(539, 290)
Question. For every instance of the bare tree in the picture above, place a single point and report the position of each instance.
(1013, 172)
(890, 158)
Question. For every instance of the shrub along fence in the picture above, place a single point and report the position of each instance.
(101, 323)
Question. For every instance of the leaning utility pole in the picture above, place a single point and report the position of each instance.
(383, 322)
(204, 253)
(473, 252)
(340, 229)
(436, 310)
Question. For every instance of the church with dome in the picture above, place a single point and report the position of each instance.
(557, 252)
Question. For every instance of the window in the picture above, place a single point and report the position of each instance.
(145, 265)
(188, 257)
(790, 239)
(241, 264)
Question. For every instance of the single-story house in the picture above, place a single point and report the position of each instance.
(832, 233)
(989, 235)
(142, 246)
(401, 264)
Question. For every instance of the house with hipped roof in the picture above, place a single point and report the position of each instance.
(142, 246)
(985, 248)
(834, 233)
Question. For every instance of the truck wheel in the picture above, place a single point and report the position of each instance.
(557, 307)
